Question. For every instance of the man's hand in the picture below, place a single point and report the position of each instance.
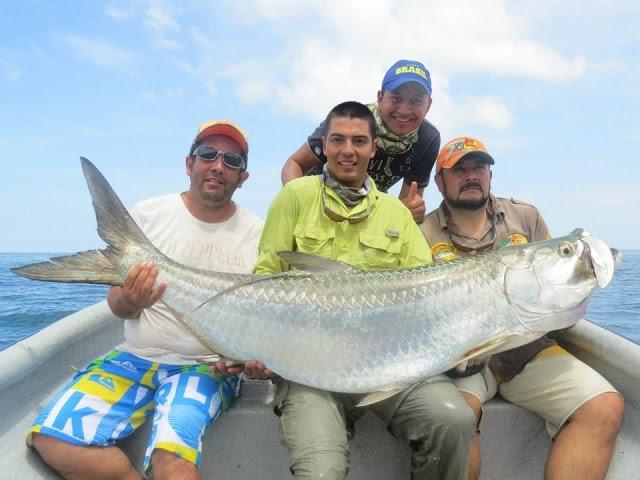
(414, 202)
(472, 366)
(137, 292)
(251, 368)
(138, 289)
(468, 367)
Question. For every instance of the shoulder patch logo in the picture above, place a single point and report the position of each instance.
(443, 252)
(513, 239)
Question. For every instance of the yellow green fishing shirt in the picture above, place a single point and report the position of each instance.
(387, 238)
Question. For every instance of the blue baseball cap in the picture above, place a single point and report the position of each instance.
(404, 71)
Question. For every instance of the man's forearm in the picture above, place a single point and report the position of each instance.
(298, 163)
(291, 170)
(120, 306)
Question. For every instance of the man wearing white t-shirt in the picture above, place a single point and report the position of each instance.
(158, 371)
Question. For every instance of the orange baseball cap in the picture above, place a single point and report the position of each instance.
(459, 147)
(225, 128)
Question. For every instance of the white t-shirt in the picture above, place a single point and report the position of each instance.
(230, 246)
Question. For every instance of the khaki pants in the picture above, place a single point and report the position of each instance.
(432, 416)
(554, 385)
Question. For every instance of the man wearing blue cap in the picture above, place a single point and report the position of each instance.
(407, 143)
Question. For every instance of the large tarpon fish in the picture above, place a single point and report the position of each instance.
(338, 328)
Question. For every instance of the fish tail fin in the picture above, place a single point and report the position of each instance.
(115, 227)
(92, 266)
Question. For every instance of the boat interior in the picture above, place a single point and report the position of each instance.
(243, 443)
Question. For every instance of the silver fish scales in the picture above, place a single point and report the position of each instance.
(342, 329)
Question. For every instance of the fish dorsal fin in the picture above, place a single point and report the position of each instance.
(313, 263)
(375, 397)
(254, 280)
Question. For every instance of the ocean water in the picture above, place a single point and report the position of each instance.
(27, 306)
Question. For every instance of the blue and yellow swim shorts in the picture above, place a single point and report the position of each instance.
(115, 394)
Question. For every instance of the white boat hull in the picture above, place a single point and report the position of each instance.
(243, 444)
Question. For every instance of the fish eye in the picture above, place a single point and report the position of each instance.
(566, 249)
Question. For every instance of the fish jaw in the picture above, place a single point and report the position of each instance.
(549, 283)
(603, 259)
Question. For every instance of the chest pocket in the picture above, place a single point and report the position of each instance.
(313, 239)
(380, 251)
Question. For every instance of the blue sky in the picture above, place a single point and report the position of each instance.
(551, 87)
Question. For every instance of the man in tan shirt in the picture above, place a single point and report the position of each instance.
(582, 410)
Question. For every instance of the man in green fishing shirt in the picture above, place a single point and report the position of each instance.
(341, 215)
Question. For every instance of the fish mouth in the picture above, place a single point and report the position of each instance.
(617, 257)
(601, 259)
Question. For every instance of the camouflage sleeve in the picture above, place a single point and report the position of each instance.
(314, 141)
(277, 234)
(422, 165)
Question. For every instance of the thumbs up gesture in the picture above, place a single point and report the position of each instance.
(413, 201)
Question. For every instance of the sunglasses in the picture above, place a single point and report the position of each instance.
(231, 160)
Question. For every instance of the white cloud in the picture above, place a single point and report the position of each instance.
(101, 52)
(41, 55)
(175, 93)
(9, 69)
(453, 115)
(280, 10)
(489, 111)
(155, 16)
(619, 196)
(339, 49)
(87, 131)
(13, 74)
(148, 96)
(118, 13)
(211, 86)
(158, 18)
(187, 68)
(200, 39)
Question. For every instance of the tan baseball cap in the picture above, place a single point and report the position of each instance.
(222, 127)
(457, 148)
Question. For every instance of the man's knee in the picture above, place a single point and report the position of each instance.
(474, 403)
(436, 411)
(320, 463)
(58, 454)
(166, 464)
(604, 412)
(314, 431)
(46, 445)
(457, 418)
(79, 462)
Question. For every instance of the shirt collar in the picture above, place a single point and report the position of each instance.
(337, 204)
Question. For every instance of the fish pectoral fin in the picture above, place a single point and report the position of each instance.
(181, 320)
(486, 348)
(313, 263)
(375, 397)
